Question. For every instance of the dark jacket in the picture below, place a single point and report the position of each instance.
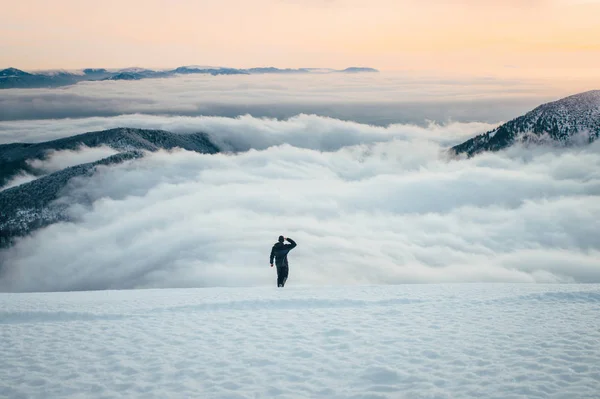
(280, 251)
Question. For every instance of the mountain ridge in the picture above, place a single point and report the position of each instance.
(14, 156)
(12, 78)
(569, 120)
(30, 206)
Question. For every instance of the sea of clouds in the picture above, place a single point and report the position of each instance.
(355, 168)
(366, 204)
(380, 98)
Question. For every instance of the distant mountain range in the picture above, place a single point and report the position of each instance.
(11, 78)
(574, 119)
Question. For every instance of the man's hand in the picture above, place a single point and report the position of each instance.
(271, 265)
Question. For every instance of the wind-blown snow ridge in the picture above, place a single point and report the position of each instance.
(425, 341)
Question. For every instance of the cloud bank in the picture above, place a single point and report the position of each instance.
(246, 132)
(58, 160)
(379, 99)
(388, 211)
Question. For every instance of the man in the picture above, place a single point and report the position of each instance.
(279, 252)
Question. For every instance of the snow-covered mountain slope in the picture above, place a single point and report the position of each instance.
(574, 119)
(29, 206)
(415, 341)
(14, 156)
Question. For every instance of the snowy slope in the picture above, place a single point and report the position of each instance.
(417, 341)
(569, 120)
(26, 207)
(30, 206)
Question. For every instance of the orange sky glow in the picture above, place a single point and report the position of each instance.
(527, 37)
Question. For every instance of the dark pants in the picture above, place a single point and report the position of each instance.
(282, 275)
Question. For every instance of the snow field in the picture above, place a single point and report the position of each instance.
(411, 341)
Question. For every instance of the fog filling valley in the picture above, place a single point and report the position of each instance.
(367, 204)
(395, 210)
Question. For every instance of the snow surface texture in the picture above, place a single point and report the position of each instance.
(420, 341)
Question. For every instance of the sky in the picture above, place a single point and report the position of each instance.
(514, 37)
